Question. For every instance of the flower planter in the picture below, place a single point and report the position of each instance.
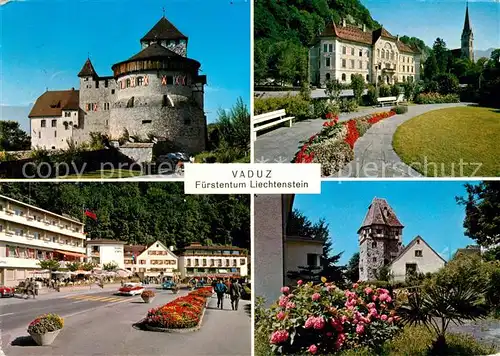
(45, 339)
(147, 299)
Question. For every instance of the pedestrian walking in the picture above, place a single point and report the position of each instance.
(228, 287)
(220, 290)
(236, 291)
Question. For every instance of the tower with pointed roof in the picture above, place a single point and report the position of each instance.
(380, 239)
(167, 35)
(467, 48)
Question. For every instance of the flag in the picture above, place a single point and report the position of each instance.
(91, 214)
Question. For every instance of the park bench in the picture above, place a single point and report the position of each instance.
(390, 100)
(272, 118)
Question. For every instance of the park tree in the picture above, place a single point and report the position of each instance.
(447, 84)
(329, 264)
(51, 265)
(73, 266)
(352, 268)
(357, 85)
(12, 137)
(110, 266)
(333, 89)
(442, 55)
(431, 67)
(482, 205)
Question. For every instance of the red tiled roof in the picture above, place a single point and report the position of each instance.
(380, 213)
(130, 250)
(51, 103)
(355, 34)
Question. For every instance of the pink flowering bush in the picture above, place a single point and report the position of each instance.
(323, 319)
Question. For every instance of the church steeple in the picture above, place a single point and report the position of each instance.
(467, 48)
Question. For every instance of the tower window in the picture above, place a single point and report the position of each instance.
(112, 91)
(43, 123)
(105, 83)
(327, 62)
(54, 123)
(146, 122)
(139, 81)
(127, 83)
(374, 244)
(374, 259)
(379, 231)
(97, 84)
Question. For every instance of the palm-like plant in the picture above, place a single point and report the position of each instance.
(437, 306)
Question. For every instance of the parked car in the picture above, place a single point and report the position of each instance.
(131, 289)
(168, 163)
(6, 291)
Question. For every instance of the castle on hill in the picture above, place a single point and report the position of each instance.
(157, 93)
(380, 240)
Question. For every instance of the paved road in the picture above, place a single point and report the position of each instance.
(94, 327)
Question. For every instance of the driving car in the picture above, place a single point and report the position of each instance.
(131, 289)
(6, 292)
(168, 284)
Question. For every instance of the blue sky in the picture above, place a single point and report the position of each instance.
(45, 43)
(425, 208)
(429, 19)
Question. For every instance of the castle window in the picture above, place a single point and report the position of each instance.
(361, 53)
(146, 122)
(343, 63)
(112, 91)
(374, 259)
(128, 83)
(43, 123)
(187, 121)
(54, 123)
(374, 244)
(343, 77)
(105, 83)
(130, 102)
(418, 253)
(327, 62)
(170, 80)
(97, 84)
(139, 81)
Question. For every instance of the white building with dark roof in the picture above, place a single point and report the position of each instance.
(343, 50)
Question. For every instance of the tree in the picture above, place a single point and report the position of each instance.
(111, 266)
(482, 205)
(447, 84)
(328, 263)
(357, 85)
(73, 266)
(409, 90)
(333, 89)
(51, 265)
(12, 137)
(352, 269)
(88, 266)
(442, 55)
(431, 67)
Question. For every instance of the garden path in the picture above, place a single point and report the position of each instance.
(374, 156)
(486, 331)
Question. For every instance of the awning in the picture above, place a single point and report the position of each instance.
(73, 254)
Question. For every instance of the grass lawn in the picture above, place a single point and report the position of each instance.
(107, 174)
(452, 142)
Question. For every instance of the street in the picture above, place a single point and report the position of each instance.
(103, 324)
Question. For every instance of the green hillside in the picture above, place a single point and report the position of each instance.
(285, 29)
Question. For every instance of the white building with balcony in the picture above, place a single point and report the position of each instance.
(154, 260)
(106, 251)
(196, 260)
(29, 234)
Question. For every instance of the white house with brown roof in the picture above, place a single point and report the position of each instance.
(416, 258)
(153, 260)
(104, 251)
(343, 50)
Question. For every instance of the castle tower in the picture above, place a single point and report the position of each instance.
(380, 239)
(467, 48)
(167, 35)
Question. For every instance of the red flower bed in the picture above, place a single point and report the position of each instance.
(305, 155)
(180, 313)
(352, 133)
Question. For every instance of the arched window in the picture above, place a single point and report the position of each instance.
(383, 53)
(128, 83)
(392, 55)
(367, 77)
(327, 76)
(139, 81)
(379, 78)
(343, 77)
(388, 80)
(352, 76)
(378, 52)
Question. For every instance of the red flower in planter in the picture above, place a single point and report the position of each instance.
(352, 133)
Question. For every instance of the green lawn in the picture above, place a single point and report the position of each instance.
(106, 174)
(456, 142)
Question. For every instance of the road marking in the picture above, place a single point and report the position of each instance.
(6, 314)
(92, 298)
